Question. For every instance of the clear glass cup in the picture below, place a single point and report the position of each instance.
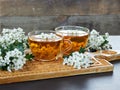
(76, 34)
(46, 45)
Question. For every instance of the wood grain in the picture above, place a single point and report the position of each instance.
(102, 15)
(102, 23)
(109, 55)
(58, 7)
(35, 70)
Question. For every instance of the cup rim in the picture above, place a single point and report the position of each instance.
(37, 32)
(60, 27)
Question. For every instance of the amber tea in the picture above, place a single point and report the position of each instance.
(77, 37)
(45, 47)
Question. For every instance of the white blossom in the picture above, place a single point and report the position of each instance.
(12, 59)
(78, 60)
(94, 32)
(106, 35)
(96, 41)
(9, 36)
(15, 58)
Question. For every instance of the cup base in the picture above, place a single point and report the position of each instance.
(45, 60)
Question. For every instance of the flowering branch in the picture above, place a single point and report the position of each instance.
(98, 42)
(13, 42)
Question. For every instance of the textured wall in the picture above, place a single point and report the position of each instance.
(103, 15)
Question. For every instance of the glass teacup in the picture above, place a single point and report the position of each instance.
(76, 34)
(46, 45)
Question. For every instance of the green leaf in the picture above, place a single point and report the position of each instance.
(16, 44)
(92, 50)
(4, 67)
(82, 50)
(105, 42)
(27, 43)
(10, 47)
(29, 56)
(66, 56)
(3, 51)
(20, 48)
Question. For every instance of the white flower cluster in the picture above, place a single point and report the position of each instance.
(13, 42)
(98, 42)
(78, 60)
(9, 36)
(13, 59)
(46, 36)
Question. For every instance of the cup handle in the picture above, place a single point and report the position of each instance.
(65, 51)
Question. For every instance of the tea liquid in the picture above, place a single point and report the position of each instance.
(77, 37)
(45, 50)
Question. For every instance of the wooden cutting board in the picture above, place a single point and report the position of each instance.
(109, 55)
(35, 70)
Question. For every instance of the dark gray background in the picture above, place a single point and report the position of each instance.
(103, 15)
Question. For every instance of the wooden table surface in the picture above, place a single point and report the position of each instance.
(100, 81)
